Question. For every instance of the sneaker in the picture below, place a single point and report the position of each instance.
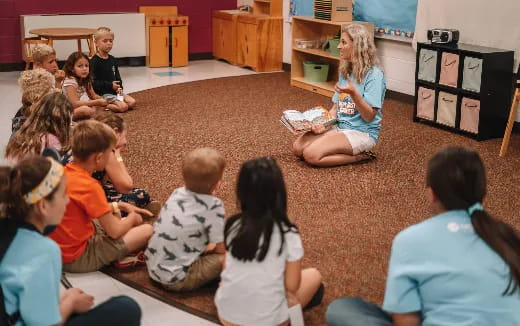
(371, 155)
(316, 299)
(132, 260)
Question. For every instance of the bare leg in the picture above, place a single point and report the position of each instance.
(118, 106)
(83, 112)
(130, 101)
(303, 141)
(332, 149)
(137, 238)
(310, 282)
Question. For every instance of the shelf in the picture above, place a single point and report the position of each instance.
(317, 52)
(265, 1)
(320, 21)
(323, 88)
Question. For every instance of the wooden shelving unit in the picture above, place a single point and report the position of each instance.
(271, 8)
(309, 28)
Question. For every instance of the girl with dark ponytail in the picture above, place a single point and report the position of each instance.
(32, 203)
(459, 267)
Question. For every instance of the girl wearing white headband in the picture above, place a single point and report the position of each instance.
(32, 201)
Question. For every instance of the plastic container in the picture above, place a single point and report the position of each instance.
(307, 44)
(314, 71)
(333, 46)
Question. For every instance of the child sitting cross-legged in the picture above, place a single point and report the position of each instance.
(92, 233)
(190, 220)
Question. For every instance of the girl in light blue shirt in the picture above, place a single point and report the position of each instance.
(460, 267)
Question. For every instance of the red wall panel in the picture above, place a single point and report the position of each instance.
(199, 12)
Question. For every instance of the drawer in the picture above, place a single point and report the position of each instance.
(472, 74)
(425, 103)
(469, 115)
(427, 65)
(447, 109)
(449, 69)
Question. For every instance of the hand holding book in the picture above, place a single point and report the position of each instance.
(314, 119)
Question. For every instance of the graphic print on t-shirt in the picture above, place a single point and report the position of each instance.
(346, 105)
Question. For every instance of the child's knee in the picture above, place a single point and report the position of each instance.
(83, 112)
(147, 230)
(312, 157)
(314, 274)
(297, 149)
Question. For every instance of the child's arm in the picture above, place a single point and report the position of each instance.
(74, 301)
(76, 102)
(118, 174)
(118, 76)
(293, 275)
(220, 248)
(115, 227)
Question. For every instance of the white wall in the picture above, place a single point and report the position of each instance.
(129, 31)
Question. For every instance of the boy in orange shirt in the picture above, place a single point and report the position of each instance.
(92, 233)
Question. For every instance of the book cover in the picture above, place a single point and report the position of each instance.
(300, 122)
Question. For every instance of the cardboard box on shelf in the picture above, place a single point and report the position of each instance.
(333, 10)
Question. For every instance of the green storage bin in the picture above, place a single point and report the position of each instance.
(333, 47)
(315, 71)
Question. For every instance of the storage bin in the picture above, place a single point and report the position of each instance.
(469, 115)
(333, 46)
(315, 71)
(425, 103)
(449, 69)
(428, 65)
(472, 75)
(447, 109)
(307, 44)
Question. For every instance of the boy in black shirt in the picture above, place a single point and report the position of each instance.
(107, 80)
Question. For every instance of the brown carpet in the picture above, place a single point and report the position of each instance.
(347, 215)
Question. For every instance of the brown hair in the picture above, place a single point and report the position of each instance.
(91, 137)
(364, 55)
(68, 67)
(102, 31)
(35, 84)
(18, 181)
(52, 115)
(41, 52)
(458, 179)
(113, 120)
(202, 168)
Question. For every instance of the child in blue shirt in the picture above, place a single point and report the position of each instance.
(459, 267)
(358, 100)
(32, 203)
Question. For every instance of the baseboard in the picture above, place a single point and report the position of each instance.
(286, 66)
(122, 62)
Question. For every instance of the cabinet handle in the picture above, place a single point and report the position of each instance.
(166, 43)
(315, 90)
(176, 42)
(247, 49)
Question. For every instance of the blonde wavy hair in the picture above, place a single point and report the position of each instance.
(364, 55)
(35, 84)
(41, 51)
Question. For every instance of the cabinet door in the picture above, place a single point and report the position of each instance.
(218, 39)
(247, 44)
(159, 47)
(179, 46)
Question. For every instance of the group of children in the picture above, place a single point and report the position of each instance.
(256, 254)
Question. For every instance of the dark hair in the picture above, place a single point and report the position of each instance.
(263, 203)
(68, 67)
(52, 115)
(111, 119)
(18, 181)
(91, 137)
(457, 177)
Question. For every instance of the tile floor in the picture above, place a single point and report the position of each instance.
(102, 287)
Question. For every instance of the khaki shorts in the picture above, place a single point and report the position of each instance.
(101, 250)
(205, 269)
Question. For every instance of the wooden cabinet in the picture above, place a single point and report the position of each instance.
(159, 46)
(179, 46)
(224, 35)
(308, 28)
(250, 39)
(463, 88)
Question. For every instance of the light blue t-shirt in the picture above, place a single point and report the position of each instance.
(30, 277)
(372, 88)
(444, 270)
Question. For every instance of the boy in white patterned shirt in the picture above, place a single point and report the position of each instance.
(190, 220)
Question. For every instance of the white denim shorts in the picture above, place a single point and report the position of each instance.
(360, 141)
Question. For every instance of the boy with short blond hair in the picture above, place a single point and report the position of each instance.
(92, 233)
(44, 56)
(190, 219)
(107, 80)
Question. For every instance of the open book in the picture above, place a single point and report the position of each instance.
(299, 122)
